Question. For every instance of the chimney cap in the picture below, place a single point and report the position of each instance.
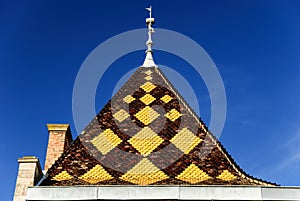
(28, 159)
(58, 127)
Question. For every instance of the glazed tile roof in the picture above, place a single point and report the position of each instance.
(147, 135)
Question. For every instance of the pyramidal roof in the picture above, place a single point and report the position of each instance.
(147, 135)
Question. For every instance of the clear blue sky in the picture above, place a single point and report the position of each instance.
(255, 45)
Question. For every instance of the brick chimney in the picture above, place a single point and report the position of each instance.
(60, 138)
(29, 174)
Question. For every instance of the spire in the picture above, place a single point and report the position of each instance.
(149, 62)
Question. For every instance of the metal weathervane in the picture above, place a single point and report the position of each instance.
(149, 62)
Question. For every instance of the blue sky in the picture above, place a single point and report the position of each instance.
(255, 45)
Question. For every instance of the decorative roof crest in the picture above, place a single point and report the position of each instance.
(149, 62)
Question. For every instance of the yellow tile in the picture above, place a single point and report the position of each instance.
(95, 175)
(145, 141)
(121, 115)
(148, 77)
(148, 72)
(144, 173)
(166, 98)
(106, 141)
(128, 99)
(185, 140)
(64, 175)
(146, 115)
(147, 99)
(193, 174)
(148, 86)
(226, 176)
(173, 115)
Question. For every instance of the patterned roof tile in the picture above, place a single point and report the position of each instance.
(147, 135)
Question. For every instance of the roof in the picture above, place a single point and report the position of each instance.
(147, 135)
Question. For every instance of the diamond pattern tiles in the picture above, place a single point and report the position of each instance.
(173, 115)
(226, 176)
(146, 115)
(146, 141)
(166, 98)
(193, 174)
(95, 175)
(121, 115)
(128, 99)
(148, 86)
(148, 78)
(106, 141)
(147, 99)
(185, 140)
(147, 135)
(64, 175)
(144, 173)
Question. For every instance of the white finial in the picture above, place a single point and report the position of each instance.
(149, 62)
(150, 11)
